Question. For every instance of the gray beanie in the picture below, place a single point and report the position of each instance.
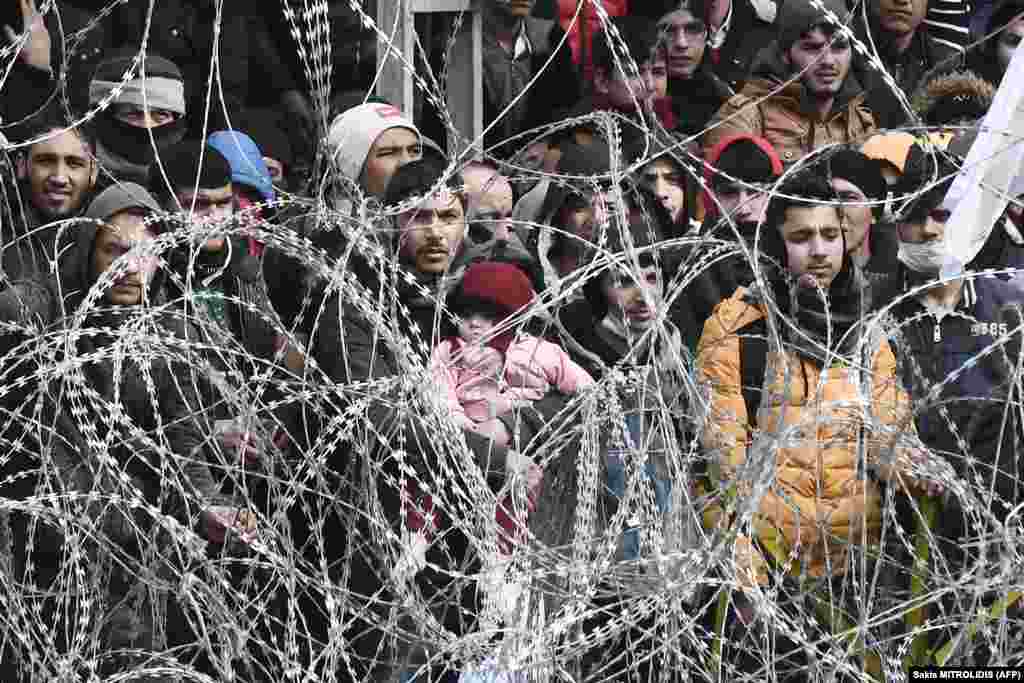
(118, 198)
(797, 17)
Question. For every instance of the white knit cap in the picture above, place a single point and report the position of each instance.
(354, 131)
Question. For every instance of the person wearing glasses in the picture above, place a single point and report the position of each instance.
(696, 91)
(801, 95)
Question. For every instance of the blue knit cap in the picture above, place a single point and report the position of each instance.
(246, 160)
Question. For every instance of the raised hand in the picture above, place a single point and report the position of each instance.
(36, 50)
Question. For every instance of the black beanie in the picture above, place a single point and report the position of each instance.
(656, 9)
(797, 17)
(915, 187)
(862, 171)
(182, 166)
(744, 160)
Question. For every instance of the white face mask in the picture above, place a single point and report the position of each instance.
(927, 258)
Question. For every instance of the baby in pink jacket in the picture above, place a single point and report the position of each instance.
(485, 375)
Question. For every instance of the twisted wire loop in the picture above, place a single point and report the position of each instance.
(107, 576)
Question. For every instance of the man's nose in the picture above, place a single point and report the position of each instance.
(60, 175)
(502, 231)
(817, 246)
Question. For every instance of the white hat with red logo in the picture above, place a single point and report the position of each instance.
(354, 131)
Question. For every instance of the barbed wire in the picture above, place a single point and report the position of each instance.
(115, 456)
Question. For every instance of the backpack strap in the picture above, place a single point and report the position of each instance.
(753, 364)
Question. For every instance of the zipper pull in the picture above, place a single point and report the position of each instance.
(937, 334)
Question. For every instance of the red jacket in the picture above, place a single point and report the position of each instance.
(590, 23)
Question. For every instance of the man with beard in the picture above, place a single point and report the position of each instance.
(57, 176)
(195, 180)
(372, 329)
(823, 106)
(149, 113)
(820, 510)
(153, 453)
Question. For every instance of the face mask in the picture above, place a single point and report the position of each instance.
(132, 143)
(926, 259)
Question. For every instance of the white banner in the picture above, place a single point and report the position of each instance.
(991, 173)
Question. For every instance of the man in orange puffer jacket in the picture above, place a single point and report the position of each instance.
(829, 421)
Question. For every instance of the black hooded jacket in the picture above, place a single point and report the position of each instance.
(128, 394)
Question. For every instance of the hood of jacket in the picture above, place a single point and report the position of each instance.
(715, 153)
(582, 166)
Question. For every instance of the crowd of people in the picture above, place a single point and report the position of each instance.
(673, 374)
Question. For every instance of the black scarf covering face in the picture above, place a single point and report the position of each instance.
(132, 143)
(805, 307)
(828, 328)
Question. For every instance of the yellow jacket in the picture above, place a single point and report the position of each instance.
(817, 504)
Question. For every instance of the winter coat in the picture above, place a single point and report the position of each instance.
(651, 400)
(235, 274)
(981, 59)
(820, 501)
(164, 454)
(910, 69)
(695, 101)
(28, 249)
(883, 246)
(949, 22)
(781, 117)
(557, 88)
(969, 423)
(530, 369)
(359, 340)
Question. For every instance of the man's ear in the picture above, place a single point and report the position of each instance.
(21, 166)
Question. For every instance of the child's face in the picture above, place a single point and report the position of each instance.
(635, 303)
(475, 327)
